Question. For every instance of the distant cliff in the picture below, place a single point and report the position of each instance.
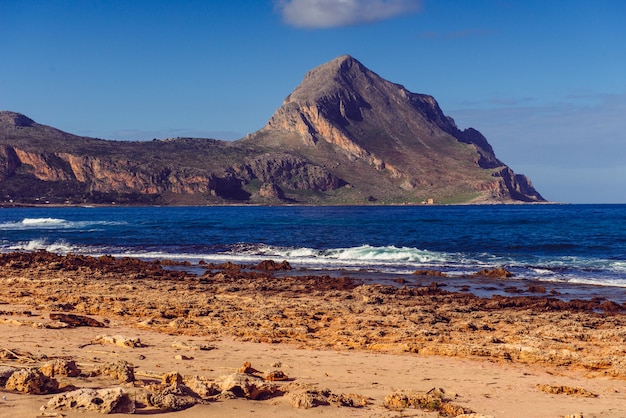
(344, 136)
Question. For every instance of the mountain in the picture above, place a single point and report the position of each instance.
(343, 136)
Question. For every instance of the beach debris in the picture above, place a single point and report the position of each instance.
(432, 400)
(182, 357)
(105, 401)
(76, 320)
(119, 340)
(60, 367)
(565, 390)
(31, 381)
(121, 370)
(17, 354)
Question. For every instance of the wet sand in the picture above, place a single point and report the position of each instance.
(498, 356)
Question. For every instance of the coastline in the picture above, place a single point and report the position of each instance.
(370, 340)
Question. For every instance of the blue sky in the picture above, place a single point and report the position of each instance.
(544, 81)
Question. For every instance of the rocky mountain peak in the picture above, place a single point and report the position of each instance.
(15, 119)
(345, 135)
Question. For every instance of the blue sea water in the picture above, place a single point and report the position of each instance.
(552, 243)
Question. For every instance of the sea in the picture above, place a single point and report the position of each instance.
(572, 251)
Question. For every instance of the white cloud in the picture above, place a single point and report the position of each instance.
(335, 13)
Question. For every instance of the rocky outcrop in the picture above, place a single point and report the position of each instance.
(403, 134)
(343, 136)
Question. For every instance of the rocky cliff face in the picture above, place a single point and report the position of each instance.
(404, 134)
(344, 136)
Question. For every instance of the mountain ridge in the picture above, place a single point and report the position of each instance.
(343, 136)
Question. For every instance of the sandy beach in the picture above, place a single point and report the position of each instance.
(241, 342)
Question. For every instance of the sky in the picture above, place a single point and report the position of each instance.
(544, 81)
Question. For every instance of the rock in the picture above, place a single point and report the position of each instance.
(174, 395)
(565, 390)
(435, 273)
(497, 273)
(60, 367)
(122, 371)
(201, 386)
(31, 381)
(271, 265)
(5, 373)
(173, 399)
(349, 400)
(305, 396)
(247, 368)
(104, 401)
(119, 340)
(275, 376)
(271, 191)
(76, 320)
(433, 400)
(302, 400)
(247, 386)
(193, 346)
(172, 379)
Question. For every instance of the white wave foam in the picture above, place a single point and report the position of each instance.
(59, 247)
(53, 223)
(43, 221)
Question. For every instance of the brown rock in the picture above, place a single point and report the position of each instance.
(122, 371)
(173, 398)
(271, 190)
(247, 368)
(276, 376)
(433, 400)
(76, 320)
(201, 386)
(60, 367)
(247, 386)
(119, 340)
(31, 381)
(5, 373)
(496, 273)
(104, 401)
(565, 390)
(435, 273)
(271, 265)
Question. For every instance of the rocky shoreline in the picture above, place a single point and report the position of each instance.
(43, 292)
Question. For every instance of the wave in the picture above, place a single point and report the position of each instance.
(58, 247)
(43, 221)
(382, 259)
(52, 223)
